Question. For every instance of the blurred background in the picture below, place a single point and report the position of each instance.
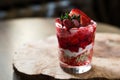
(106, 11)
(22, 21)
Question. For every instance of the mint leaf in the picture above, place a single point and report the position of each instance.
(65, 16)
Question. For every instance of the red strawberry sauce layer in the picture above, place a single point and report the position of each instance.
(73, 40)
(76, 37)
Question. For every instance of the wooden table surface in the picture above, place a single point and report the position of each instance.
(16, 32)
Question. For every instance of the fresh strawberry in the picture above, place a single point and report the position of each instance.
(77, 12)
(57, 20)
(84, 19)
(67, 23)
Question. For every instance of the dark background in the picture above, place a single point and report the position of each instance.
(107, 11)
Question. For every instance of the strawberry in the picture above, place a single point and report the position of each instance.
(84, 19)
(67, 23)
(57, 20)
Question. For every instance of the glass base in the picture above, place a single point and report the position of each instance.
(75, 69)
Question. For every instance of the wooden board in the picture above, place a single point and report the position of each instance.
(41, 58)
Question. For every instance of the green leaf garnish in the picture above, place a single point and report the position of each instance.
(65, 16)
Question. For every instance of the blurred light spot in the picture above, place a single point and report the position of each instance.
(35, 7)
(22, 11)
(64, 3)
(3, 14)
(51, 7)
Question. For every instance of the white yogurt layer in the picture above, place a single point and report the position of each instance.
(81, 50)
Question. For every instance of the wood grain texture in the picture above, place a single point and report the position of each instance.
(41, 58)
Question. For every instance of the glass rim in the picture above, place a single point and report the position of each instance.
(92, 22)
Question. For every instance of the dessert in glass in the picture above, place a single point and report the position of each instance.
(75, 33)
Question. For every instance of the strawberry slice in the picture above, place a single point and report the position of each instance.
(67, 23)
(84, 19)
(57, 20)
